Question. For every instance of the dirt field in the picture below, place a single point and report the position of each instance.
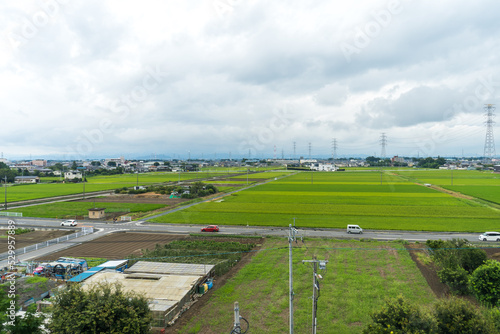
(32, 238)
(116, 245)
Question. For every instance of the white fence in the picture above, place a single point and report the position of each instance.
(11, 214)
(40, 245)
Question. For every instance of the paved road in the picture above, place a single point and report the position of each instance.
(143, 226)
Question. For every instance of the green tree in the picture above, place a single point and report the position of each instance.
(111, 163)
(31, 322)
(103, 308)
(457, 316)
(400, 316)
(485, 282)
(74, 166)
(3, 166)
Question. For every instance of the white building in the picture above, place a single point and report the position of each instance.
(324, 167)
(73, 175)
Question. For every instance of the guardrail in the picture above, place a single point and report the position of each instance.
(40, 245)
(11, 214)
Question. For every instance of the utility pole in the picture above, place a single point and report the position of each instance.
(5, 186)
(316, 290)
(137, 183)
(237, 324)
(83, 184)
(237, 327)
(291, 238)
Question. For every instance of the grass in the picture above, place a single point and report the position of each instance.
(94, 261)
(357, 278)
(63, 209)
(334, 200)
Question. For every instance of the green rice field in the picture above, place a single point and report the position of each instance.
(484, 185)
(374, 200)
(110, 182)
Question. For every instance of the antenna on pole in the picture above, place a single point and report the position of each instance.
(489, 142)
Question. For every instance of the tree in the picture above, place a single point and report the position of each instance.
(400, 316)
(156, 164)
(74, 166)
(457, 316)
(111, 163)
(3, 166)
(103, 308)
(30, 323)
(485, 282)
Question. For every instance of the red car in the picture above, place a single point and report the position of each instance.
(210, 228)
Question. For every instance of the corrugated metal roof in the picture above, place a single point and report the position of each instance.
(83, 276)
(113, 263)
(169, 268)
(168, 287)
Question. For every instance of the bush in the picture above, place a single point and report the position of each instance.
(399, 316)
(456, 278)
(485, 282)
(458, 316)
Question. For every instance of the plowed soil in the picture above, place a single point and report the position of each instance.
(116, 245)
(31, 238)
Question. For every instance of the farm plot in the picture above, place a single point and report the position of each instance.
(479, 184)
(98, 183)
(31, 238)
(337, 199)
(66, 209)
(358, 278)
(116, 246)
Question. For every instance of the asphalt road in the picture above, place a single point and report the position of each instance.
(102, 228)
(142, 226)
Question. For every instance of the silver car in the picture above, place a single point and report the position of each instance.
(490, 236)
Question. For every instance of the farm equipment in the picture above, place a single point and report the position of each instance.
(63, 268)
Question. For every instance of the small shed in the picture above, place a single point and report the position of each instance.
(97, 213)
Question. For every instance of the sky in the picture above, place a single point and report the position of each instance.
(254, 78)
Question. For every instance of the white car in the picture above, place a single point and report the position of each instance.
(69, 222)
(490, 236)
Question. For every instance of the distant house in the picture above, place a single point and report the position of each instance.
(27, 179)
(73, 175)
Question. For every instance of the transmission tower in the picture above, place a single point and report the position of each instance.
(489, 143)
(383, 143)
(294, 149)
(309, 150)
(274, 156)
(334, 148)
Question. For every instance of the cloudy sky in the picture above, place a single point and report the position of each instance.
(215, 78)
